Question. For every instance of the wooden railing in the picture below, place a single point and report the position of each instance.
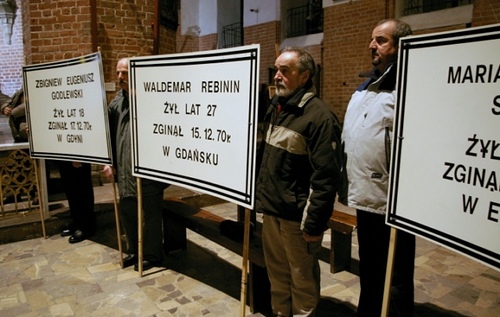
(18, 179)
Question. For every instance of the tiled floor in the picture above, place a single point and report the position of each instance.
(50, 277)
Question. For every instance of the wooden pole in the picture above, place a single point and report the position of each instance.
(244, 264)
(117, 220)
(40, 200)
(93, 25)
(139, 223)
(388, 273)
(156, 28)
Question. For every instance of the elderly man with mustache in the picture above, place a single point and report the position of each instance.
(297, 182)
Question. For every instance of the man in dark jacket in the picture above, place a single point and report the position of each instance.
(297, 182)
(3, 98)
(152, 192)
(16, 111)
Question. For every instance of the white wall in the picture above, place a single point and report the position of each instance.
(208, 17)
(198, 17)
(228, 12)
(203, 14)
(264, 11)
(329, 3)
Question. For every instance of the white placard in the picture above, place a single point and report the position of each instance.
(445, 175)
(194, 120)
(67, 111)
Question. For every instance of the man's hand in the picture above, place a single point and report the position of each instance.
(7, 111)
(108, 171)
(76, 164)
(309, 238)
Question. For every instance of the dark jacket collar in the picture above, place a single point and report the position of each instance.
(295, 98)
(389, 80)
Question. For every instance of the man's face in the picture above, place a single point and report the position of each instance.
(122, 74)
(288, 78)
(384, 50)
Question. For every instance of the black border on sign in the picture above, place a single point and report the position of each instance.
(70, 156)
(244, 198)
(406, 45)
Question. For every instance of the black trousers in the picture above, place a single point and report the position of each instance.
(373, 240)
(77, 182)
(152, 220)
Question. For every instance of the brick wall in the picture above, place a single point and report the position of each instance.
(486, 12)
(12, 56)
(61, 29)
(255, 34)
(57, 30)
(267, 35)
(124, 30)
(207, 42)
(187, 43)
(347, 31)
(168, 41)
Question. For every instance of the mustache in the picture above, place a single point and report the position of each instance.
(122, 82)
(280, 85)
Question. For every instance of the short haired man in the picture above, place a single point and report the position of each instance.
(367, 134)
(152, 191)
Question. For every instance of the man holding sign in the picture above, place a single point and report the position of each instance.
(119, 119)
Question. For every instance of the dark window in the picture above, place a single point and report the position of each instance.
(423, 6)
(169, 10)
(231, 35)
(306, 19)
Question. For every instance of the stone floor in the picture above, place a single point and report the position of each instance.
(50, 277)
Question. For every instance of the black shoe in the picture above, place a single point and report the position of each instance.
(129, 260)
(78, 236)
(67, 232)
(146, 265)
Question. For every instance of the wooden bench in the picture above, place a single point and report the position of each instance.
(179, 216)
(342, 225)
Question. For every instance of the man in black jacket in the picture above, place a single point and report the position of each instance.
(15, 109)
(152, 191)
(297, 182)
